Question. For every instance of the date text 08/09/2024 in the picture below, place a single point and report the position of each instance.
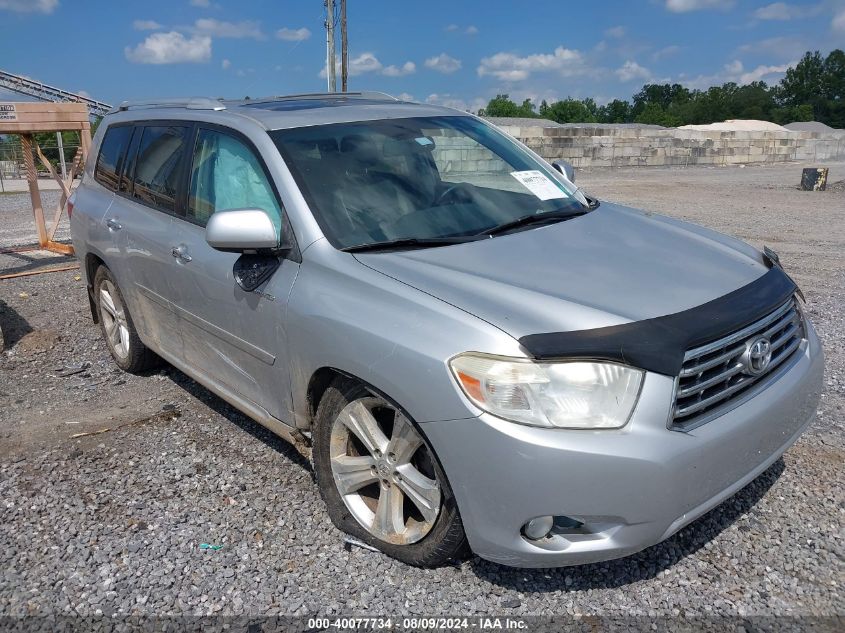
(482, 623)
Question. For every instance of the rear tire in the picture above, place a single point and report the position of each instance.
(119, 332)
(396, 496)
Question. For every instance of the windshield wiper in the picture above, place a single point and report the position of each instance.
(408, 242)
(533, 218)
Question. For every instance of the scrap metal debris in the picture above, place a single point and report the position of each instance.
(75, 435)
(348, 542)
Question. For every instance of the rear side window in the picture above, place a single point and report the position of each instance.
(158, 167)
(112, 150)
(227, 174)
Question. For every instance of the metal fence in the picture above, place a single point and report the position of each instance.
(12, 166)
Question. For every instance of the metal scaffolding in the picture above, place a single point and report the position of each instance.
(43, 92)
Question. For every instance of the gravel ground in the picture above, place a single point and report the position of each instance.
(17, 226)
(112, 522)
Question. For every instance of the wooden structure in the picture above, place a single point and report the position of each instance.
(27, 118)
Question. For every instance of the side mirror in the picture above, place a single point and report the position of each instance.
(565, 168)
(241, 230)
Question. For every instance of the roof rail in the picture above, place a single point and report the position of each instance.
(190, 103)
(371, 94)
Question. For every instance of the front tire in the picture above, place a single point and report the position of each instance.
(119, 332)
(381, 481)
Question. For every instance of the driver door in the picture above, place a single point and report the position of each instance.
(236, 338)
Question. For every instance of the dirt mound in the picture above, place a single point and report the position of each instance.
(736, 125)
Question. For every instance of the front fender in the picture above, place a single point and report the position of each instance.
(346, 316)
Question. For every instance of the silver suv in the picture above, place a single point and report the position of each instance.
(476, 354)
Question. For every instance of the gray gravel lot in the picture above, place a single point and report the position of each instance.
(113, 522)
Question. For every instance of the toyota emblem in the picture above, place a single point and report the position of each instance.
(757, 356)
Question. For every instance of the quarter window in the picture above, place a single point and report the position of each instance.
(158, 166)
(112, 150)
(227, 174)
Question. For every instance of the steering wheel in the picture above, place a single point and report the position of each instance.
(452, 191)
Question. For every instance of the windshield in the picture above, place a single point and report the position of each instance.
(418, 179)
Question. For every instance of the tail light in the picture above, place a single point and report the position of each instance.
(69, 207)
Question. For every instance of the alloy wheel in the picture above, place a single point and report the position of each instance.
(113, 315)
(384, 471)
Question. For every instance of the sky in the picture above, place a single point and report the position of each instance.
(456, 53)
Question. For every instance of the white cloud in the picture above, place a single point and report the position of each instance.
(170, 48)
(762, 72)
(783, 11)
(364, 63)
(404, 96)
(631, 70)
(84, 93)
(838, 22)
(225, 64)
(146, 25)
(443, 63)
(293, 35)
(201, 3)
(780, 48)
(616, 31)
(775, 11)
(408, 68)
(510, 67)
(29, 6)
(734, 71)
(360, 65)
(685, 6)
(667, 51)
(470, 29)
(235, 30)
(451, 101)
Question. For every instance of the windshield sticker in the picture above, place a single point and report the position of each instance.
(539, 184)
(424, 140)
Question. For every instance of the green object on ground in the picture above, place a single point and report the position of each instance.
(209, 546)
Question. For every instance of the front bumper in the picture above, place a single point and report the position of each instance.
(631, 488)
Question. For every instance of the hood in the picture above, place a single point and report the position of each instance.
(611, 266)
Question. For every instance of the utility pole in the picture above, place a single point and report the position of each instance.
(331, 72)
(344, 48)
(61, 154)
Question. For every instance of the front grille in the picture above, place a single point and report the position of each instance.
(717, 374)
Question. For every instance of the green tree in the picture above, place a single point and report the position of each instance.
(502, 106)
(663, 95)
(654, 114)
(803, 83)
(617, 111)
(570, 111)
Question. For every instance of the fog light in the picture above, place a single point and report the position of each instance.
(538, 528)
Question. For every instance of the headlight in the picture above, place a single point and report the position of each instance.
(566, 395)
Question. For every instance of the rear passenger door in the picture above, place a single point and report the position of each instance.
(142, 218)
(235, 337)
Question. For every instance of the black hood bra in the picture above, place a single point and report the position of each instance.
(659, 344)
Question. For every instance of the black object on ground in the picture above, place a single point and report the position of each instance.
(814, 179)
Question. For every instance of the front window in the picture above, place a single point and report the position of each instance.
(225, 175)
(418, 179)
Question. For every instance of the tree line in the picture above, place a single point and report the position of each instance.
(812, 90)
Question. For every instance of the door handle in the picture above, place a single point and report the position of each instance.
(181, 253)
(113, 224)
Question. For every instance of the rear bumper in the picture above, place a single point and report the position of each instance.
(631, 488)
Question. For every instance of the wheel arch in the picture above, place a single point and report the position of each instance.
(92, 263)
(322, 379)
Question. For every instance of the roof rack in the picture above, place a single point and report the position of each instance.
(190, 103)
(371, 94)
